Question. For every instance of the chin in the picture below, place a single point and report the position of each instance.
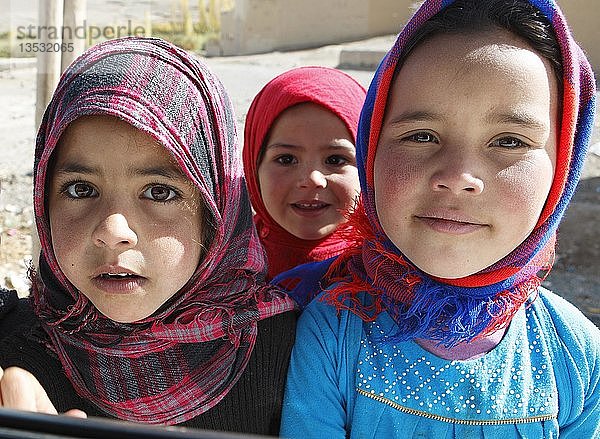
(448, 272)
(312, 235)
(121, 317)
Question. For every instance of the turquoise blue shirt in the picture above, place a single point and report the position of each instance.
(541, 380)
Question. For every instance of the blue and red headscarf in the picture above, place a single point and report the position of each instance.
(454, 310)
(183, 359)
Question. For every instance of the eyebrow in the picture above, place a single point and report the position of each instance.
(416, 116)
(517, 118)
(334, 145)
(160, 171)
(76, 168)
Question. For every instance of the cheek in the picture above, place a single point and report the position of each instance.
(394, 175)
(347, 186)
(182, 246)
(67, 237)
(176, 259)
(267, 179)
(524, 187)
(174, 251)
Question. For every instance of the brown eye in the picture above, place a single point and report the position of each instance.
(510, 143)
(422, 137)
(336, 160)
(286, 159)
(81, 190)
(160, 193)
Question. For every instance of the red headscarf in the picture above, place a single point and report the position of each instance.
(335, 91)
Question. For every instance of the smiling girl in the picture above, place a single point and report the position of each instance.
(300, 164)
(473, 137)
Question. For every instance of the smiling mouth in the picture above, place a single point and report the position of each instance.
(314, 205)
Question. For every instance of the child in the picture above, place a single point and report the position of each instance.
(150, 303)
(470, 146)
(300, 163)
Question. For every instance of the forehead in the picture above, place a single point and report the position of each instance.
(307, 122)
(304, 112)
(109, 141)
(497, 49)
(447, 67)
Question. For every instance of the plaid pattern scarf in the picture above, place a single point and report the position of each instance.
(333, 90)
(455, 310)
(183, 359)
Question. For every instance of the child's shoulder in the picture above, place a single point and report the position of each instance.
(571, 325)
(325, 317)
(561, 309)
(8, 300)
(15, 312)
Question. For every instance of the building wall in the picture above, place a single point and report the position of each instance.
(584, 18)
(258, 26)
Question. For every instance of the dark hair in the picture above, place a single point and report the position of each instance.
(517, 16)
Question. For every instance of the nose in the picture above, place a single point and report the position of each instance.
(458, 177)
(312, 178)
(114, 233)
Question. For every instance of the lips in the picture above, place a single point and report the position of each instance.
(310, 205)
(114, 279)
(117, 276)
(451, 222)
(309, 208)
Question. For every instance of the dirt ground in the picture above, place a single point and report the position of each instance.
(576, 274)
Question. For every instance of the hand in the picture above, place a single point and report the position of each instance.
(20, 390)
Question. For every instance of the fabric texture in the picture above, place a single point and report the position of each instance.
(335, 91)
(253, 405)
(182, 360)
(8, 300)
(542, 380)
(484, 302)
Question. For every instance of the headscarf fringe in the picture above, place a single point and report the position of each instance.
(361, 282)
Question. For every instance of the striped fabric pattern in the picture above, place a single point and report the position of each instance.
(182, 360)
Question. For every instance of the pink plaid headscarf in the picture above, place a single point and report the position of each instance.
(183, 359)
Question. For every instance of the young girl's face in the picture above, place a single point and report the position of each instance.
(308, 174)
(125, 222)
(467, 151)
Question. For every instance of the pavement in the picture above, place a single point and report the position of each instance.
(576, 274)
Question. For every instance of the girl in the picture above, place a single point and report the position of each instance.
(150, 303)
(470, 147)
(300, 163)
